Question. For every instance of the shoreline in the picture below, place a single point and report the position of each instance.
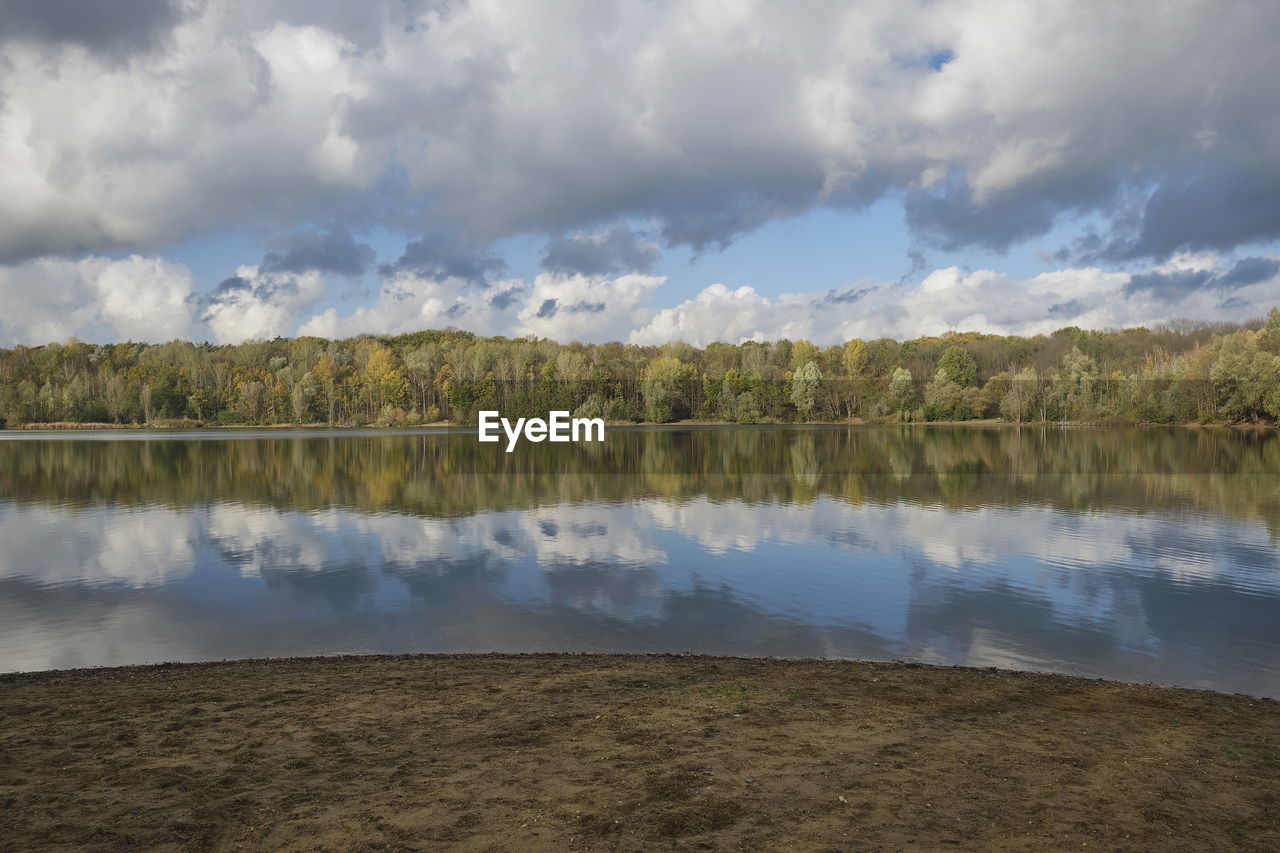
(461, 427)
(132, 670)
(616, 752)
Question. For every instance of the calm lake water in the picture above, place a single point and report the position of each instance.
(1146, 555)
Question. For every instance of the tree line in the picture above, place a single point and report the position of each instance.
(1181, 372)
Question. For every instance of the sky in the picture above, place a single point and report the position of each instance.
(640, 171)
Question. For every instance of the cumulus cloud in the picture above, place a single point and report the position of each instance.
(149, 299)
(994, 119)
(1088, 297)
(598, 309)
(980, 300)
(223, 128)
(257, 304)
(457, 125)
(721, 314)
(585, 308)
(409, 303)
(136, 298)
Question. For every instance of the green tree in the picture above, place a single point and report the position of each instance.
(805, 385)
(1247, 377)
(901, 399)
(802, 352)
(304, 391)
(854, 357)
(382, 380)
(1020, 400)
(661, 384)
(1076, 389)
(1270, 340)
(958, 366)
(252, 399)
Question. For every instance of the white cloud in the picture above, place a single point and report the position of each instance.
(953, 299)
(582, 308)
(150, 299)
(561, 307)
(709, 117)
(409, 303)
(466, 123)
(254, 304)
(220, 126)
(721, 314)
(137, 298)
(987, 301)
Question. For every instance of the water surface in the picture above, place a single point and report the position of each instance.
(1141, 554)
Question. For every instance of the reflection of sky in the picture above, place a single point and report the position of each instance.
(1181, 598)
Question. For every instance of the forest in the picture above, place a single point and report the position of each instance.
(1182, 372)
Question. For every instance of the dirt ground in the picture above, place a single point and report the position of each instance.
(602, 752)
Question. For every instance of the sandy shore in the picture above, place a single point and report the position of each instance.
(624, 753)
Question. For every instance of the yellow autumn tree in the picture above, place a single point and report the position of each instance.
(382, 381)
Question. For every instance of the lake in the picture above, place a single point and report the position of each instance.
(1138, 554)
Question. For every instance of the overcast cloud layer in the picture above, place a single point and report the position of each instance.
(616, 131)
